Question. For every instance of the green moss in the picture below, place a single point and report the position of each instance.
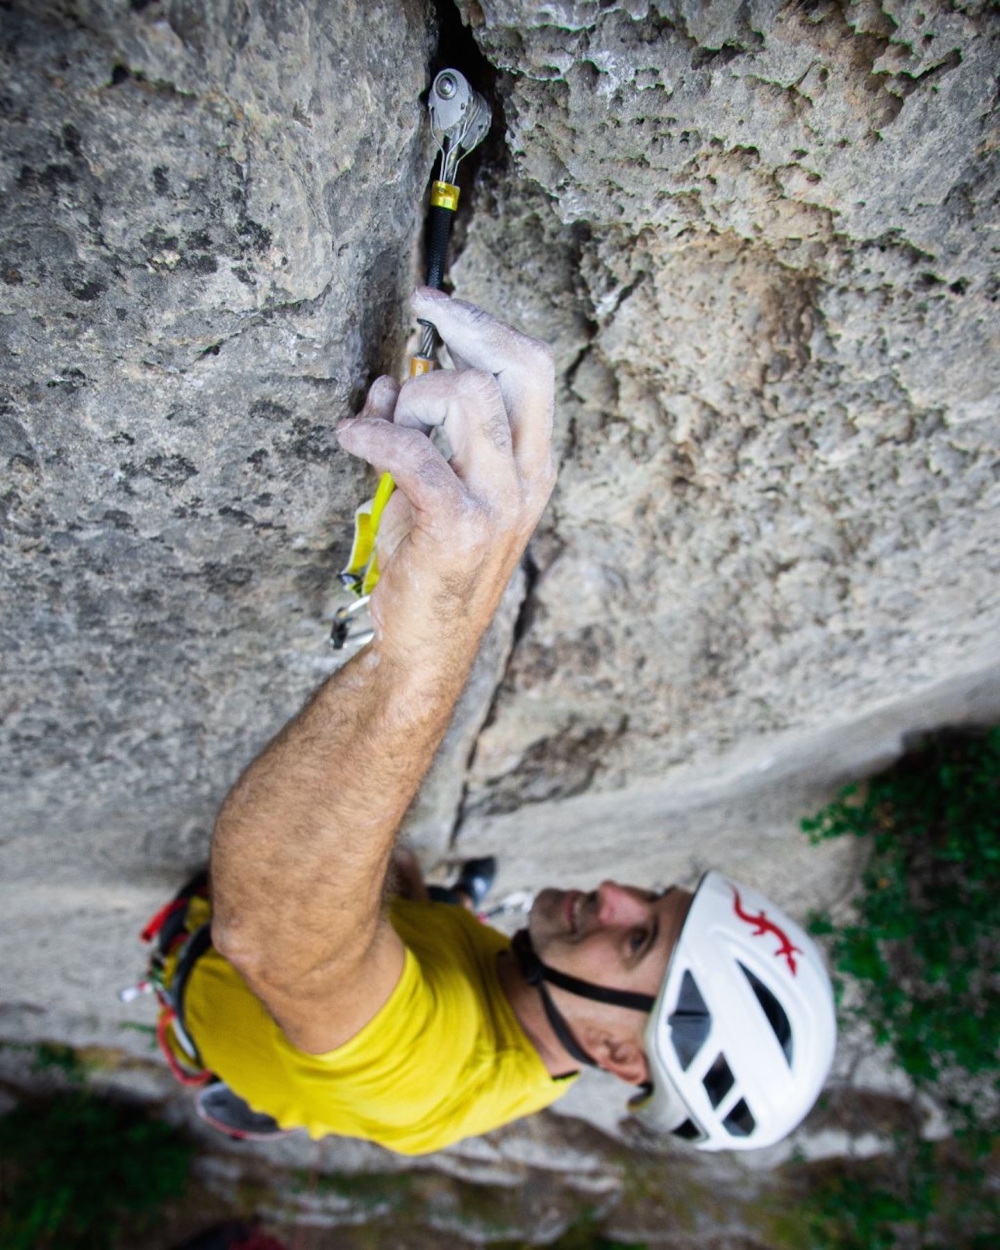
(778, 1219)
(667, 1192)
(378, 1192)
(923, 954)
(76, 1170)
(54, 1056)
(485, 1210)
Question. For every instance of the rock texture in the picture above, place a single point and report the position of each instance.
(766, 239)
(763, 240)
(526, 1184)
(210, 215)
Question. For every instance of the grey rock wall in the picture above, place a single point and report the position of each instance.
(763, 240)
(210, 213)
(766, 239)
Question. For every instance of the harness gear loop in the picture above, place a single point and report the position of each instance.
(172, 937)
(157, 922)
(191, 1078)
(460, 120)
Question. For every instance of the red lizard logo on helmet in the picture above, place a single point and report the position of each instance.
(763, 925)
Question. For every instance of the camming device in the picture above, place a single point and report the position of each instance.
(460, 120)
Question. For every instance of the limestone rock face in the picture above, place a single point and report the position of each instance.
(209, 222)
(765, 241)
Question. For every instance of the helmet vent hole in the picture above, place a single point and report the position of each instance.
(718, 1080)
(775, 1013)
(688, 1130)
(739, 1122)
(690, 1023)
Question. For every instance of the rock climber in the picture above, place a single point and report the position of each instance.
(318, 1001)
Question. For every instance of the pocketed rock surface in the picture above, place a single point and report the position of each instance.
(779, 431)
(763, 241)
(209, 225)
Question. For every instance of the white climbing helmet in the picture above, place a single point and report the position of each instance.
(742, 1034)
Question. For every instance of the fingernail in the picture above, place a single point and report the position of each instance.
(431, 293)
(344, 426)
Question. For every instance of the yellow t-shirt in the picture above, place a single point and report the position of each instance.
(445, 1058)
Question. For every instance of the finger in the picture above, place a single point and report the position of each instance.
(470, 407)
(522, 366)
(418, 468)
(395, 524)
(458, 360)
(380, 401)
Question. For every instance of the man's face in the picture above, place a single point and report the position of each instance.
(616, 936)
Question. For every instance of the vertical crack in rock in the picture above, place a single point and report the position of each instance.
(434, 817)
(563, 264)
(516, 618)
(457, 49)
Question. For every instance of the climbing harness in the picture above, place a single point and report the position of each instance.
(176, 946)
(178, 935)
(460, 119)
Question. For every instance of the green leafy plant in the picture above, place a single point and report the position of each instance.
(924, 947)
(922, 958)
(54, 1056)
(76, 1170)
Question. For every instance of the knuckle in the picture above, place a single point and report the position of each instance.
(544, 351)
(497, 430)
(429, 464)
(476, 314)
(437, 476)
(476, 521)
(409, 440)
(539, 354)
(481, 391)
(411, 450)
(477, 383)
(410, 394)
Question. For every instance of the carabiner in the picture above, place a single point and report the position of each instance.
(340, 630)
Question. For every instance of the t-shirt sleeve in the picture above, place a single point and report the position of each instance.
(444, 1058)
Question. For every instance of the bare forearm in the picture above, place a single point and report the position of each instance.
(303, 840)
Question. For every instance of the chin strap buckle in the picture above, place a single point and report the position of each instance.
(530, 964)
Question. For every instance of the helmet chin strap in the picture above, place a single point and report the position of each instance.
(536, 973)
